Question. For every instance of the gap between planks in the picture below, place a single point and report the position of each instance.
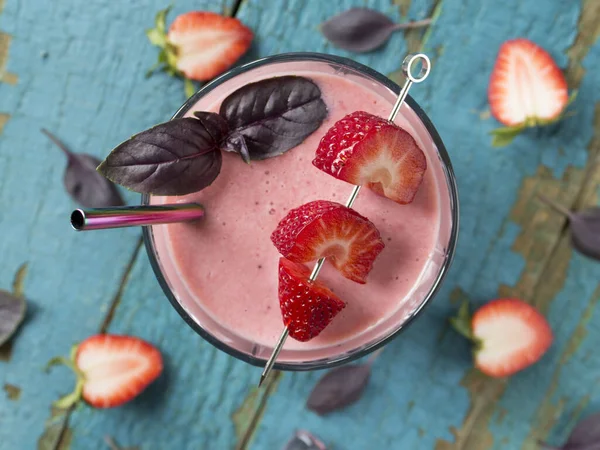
(114, 304)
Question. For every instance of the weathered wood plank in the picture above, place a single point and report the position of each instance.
(422, 388)
(76, 68)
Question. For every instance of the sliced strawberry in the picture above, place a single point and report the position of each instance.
(207, 44)
(111, 370)
(199, 44)
(367, 150)
(510, 335)
(328, 229)
(526, 88)
(307, 308)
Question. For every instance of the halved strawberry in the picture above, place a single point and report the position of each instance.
(110, 370)
(509, 335)
(367, 150)
(199, 44)
(526, 89)
(328, 229)
(307, 307)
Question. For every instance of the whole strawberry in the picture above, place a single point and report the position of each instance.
(527, 89)
(110, 370)
(509, 335)
(199, 45)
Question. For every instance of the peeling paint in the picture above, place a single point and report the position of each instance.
(404, 6)
(474, 434)
(12, 392)
(538, 243)
(56, 435)
(549, 410)
(416, 38)
(5, 77)
(588, 34)
(3, 119)
(242, 417)
(247, 417)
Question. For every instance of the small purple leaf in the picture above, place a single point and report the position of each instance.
(358, 30)
(303, 440)
(12, 313)
(586, 435)
(585, 232)
(585, 228)
(339, 388)
(83, 183)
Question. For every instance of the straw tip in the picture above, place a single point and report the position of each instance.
(78, 219)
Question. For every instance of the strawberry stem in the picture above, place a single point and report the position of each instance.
(462, 322)
(69, 400)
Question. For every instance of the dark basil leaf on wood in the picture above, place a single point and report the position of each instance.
(303, 440)
(585, 227)
(12, 313)
(274, 115)
(339, 388)
(586, 435)
(358, 29)
(83, 183)
(585, 232)
(174, 158)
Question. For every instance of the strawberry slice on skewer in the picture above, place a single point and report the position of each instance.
(110, 369)
(366, 150)
(527, 89)
(306, 307)
(509, 335)
(328, 229)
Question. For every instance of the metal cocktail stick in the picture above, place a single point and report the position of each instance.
(409, 63)
(131, 216)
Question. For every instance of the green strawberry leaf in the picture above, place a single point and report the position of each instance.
(72, 399)
(189, 87)
(504, 136)
(156, 37)
(462, 322)
(69, 400)
(160, 21)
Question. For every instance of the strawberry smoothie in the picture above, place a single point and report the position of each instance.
(223, 271)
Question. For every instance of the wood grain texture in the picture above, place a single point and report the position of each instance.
(423, 394)
(80, 68)
(77, 78)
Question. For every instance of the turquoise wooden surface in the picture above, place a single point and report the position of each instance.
(77, 69)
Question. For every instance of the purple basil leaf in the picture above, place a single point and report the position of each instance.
(586, 435)
(174, 158)
(585, 227)
(12, 313)
(339, 388)
(236, 143)
(83, 183)
(274, 115)
(303, 440)
(358, 30)
(585, 232)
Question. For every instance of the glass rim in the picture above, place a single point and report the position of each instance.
(454, 212)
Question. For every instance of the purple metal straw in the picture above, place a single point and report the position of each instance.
(131, 216)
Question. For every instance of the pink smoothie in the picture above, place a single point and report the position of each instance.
(224, 269)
